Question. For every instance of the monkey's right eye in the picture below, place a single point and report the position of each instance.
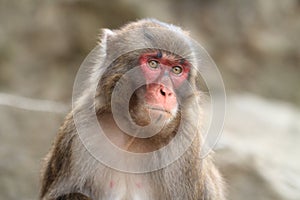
(153, 64)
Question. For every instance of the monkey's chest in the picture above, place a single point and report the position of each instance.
(127, 187)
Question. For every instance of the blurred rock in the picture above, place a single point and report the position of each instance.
(259, 149)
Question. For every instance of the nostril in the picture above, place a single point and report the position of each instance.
(162, 92)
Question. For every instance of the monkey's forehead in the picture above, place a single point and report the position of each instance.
(167, 40)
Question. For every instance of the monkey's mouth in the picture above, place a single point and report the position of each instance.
(160, 110)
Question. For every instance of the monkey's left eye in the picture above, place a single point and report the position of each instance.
(177, 70)
(153, 64)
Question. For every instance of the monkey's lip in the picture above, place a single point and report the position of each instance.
(159, 109)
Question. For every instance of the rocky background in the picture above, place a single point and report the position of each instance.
(254, 43)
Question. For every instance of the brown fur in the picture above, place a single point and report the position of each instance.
(70, 172)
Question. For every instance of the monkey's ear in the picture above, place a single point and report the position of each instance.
(105, 35)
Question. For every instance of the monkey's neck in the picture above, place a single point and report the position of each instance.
(131, 143)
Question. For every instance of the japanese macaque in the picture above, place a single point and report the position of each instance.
(169, 98)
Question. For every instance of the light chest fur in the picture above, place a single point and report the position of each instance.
(126, 186)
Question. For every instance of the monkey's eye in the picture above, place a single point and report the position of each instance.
(177, 70)
(153, 64)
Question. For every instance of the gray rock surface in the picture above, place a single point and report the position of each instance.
(259, 149)
(25, 137)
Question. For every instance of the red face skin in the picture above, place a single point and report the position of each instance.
(164, 74)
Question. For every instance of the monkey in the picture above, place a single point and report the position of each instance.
(163, 61)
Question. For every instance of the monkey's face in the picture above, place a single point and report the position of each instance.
(164, 73)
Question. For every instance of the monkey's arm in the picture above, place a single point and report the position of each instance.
(57, 171)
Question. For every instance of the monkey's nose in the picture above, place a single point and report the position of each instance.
(165, 92)
(166, 98)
